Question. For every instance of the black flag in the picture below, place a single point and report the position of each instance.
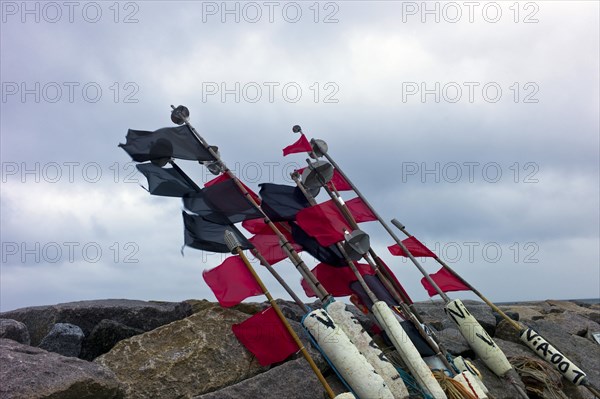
(330, 255)
(169, 142)
(165, 181)
(221, 203)
(281, 202)
(203, 234)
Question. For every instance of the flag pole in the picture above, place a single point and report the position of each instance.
(385, 317)
(349, 362)
(571, 373)
(235, 248)
(485, 346)
(180, 115)
(254, 251)
(342, 207)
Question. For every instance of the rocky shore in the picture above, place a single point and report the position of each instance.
(134, 349)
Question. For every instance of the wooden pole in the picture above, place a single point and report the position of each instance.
(236, 249)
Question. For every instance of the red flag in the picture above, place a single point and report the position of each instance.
(223, 177)
(336, 280)
(360, 210)
(445, 280)
(324, 222)
(266, 337)
(338, 180)
(231, 282)
(301, 145)
(269, 247)
(414, 246)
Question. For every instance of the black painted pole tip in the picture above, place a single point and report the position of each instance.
(297, 129)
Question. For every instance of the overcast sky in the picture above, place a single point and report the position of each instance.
(474, 123)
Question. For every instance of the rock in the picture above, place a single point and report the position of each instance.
(454, 342)
(581, 351)
(64, 339)
(499, 388)
(14, 330)
(506, 332)
(573, 323)
(433, 314)
(188, 357)
(86, 314)
(511, 315)
(104, 336)
(290, 310)
(526, 313)
(32, 373)
(291, 380)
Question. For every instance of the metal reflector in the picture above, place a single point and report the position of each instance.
(180, 114)
(317, 174)
(319, 147)
(357, 244)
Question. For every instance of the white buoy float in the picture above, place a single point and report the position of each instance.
(545, 350)
(365, 345)
(478, 339)
(409, 353)
(348, 361)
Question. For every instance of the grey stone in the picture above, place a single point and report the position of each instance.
(433, 313)
(454, 342)
(505, 331)
(182, 359)
(86, 314)
(64, 339)
(14, 330)
(104, 337)
(292, 380)
(32, 373)
(291, 310)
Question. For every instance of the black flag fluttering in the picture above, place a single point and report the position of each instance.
(165, 181)
(203, 234)
(169, 142)
(221, 203)
(280, 202)
(330, 255)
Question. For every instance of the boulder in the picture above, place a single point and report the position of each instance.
(454, 342)
(183, 359)
(290, 310)
(87, 314)
(433, 313)
(104, 336)
(525, 313)
(292, 380)
(14, 330)
(64, 339)
(506, 332)
(32, 373)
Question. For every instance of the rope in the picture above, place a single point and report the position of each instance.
(414, 390)
(452, 388)
(539, 378)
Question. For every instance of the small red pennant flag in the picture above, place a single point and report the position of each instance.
(414, 246)
(266, 337)
(231, 282)
(301, 145)
(445, 280)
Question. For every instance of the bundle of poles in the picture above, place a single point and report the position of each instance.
(363, 367)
